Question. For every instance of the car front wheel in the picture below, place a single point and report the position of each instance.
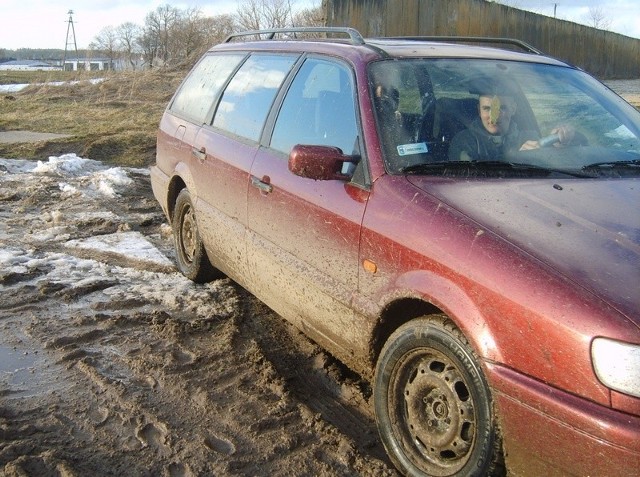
(433, 404)
(191, 256)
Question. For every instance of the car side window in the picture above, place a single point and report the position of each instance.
(318, 109)
(247, 99)
(197, 93)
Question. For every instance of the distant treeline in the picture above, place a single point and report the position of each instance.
(175, 36)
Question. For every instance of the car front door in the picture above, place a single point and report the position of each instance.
(304, 234)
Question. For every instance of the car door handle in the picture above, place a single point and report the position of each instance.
(200, 154)
(262, 184)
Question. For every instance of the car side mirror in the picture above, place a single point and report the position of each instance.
(321, 163)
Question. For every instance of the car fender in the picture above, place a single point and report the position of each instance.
(181, 177)
(452, 300)
(182, 170)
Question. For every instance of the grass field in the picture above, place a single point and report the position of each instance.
(114, 120)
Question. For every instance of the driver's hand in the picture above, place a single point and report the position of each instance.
(566, 134)
(529, 145)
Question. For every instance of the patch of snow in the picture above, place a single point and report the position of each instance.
(67, 165)
(26, 241)
(129, 244)
(12, 88)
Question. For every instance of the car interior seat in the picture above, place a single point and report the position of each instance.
(443, 120)
(451, 116)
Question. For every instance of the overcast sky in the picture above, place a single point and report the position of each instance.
(43, 23)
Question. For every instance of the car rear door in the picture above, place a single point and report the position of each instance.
(188, 110)
(304, 234)
(224, 152)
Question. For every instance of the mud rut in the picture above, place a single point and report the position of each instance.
(122, 367)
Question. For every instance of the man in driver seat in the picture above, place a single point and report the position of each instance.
(493, 133)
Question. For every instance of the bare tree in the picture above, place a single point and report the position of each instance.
(202, 33)
(171, 36)
(310, 17)
(264, 14)
(148, 44)
(107, 43)
(188, 34)
(597, 18)
(127, 35)
(157, 38)
(217, 28)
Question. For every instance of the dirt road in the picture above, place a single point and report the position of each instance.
(111, 363)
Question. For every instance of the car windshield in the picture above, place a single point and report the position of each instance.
(489, 118)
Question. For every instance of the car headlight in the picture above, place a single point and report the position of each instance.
(617, 365)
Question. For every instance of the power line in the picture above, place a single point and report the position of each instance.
(70, 29)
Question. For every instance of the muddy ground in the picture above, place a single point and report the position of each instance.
(111, 363)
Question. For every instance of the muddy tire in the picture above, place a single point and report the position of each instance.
(191, 256)
(433, 405)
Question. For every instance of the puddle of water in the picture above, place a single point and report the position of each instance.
(16, 365)
(23, 372)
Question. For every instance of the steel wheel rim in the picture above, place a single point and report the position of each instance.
(188, 234)
(433, 410)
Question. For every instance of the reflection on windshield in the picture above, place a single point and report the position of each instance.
(432, 113)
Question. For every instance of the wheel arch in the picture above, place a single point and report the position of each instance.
(175, 186)
(423, 293)
(395, 314)
(181, 179)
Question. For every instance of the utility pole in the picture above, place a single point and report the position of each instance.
(71, 29)
(555, 7)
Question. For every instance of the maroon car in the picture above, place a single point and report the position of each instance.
(458, 223)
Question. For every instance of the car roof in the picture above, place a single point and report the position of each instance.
(351, 44)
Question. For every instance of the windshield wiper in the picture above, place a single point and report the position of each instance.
(633, 164)
(487, 168)
(454, 165)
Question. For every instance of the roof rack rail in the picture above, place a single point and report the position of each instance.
(473, 39)
(354, 35)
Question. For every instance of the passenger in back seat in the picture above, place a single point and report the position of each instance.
(493, 133)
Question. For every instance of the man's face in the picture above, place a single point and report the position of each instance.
(496, 113)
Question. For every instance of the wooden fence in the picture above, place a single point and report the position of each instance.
(604, 54)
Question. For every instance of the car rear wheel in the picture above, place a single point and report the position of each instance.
(191, 256)
(433, 404)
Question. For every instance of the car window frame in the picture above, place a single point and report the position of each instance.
(249, 54)
(208, 118)
(361, 176)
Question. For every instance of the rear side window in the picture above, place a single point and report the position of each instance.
(195, 97)
(247, 99)
(318, 109)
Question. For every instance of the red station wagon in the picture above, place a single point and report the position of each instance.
(458, 223)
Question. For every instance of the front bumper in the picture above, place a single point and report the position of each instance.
(549, 432)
